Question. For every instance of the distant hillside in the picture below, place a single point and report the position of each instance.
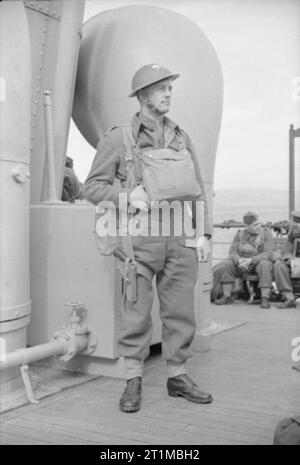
(271, 205)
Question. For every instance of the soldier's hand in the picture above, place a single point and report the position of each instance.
(244, 263)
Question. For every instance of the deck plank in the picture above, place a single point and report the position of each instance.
(248, 370)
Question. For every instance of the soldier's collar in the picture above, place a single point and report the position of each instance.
(140, 119)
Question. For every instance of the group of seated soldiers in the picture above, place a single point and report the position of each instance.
(254, 251)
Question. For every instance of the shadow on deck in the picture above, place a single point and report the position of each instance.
(248, 371)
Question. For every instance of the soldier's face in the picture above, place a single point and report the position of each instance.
(159, 95)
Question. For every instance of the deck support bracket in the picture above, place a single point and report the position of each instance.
(27, 384)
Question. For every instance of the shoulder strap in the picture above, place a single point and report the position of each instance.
(129, 144)
(128, 140)
(181, 141)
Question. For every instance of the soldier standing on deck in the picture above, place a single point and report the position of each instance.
(152, 136)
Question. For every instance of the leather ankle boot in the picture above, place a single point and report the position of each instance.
(183, 386)
(289, 303)
(131, 398)
(224, 300)
(265, 303)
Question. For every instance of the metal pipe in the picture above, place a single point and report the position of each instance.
(52, 195)
(291, 171)
(32, 354)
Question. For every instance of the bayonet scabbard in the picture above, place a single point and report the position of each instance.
(131, 283)
(128, 273)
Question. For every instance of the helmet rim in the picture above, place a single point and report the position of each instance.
(152, 79)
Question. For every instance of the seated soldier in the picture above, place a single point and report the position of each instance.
(72, 187)
(282, 263)
(250, 252)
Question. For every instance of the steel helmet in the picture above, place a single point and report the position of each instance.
(150, 74)
(250, 217)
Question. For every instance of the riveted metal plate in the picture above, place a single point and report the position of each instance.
(40, 8)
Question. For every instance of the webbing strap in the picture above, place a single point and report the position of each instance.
(129, 144)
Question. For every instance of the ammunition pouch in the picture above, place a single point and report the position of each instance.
(170, 175)
(167, 174)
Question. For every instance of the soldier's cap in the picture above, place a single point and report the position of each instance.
(148, 75)
(250, 217)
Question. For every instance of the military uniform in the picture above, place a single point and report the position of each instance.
(174, 265)
(255, 243)
(282, 266)
(282, 259)
(134, 162)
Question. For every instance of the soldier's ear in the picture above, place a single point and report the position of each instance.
(143, 95)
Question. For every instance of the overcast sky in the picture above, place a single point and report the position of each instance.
(257, 42)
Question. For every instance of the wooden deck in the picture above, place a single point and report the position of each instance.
(248, 371)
